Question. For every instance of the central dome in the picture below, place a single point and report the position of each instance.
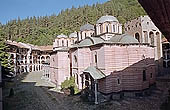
(107, 18)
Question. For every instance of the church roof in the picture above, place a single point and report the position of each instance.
(95, 72)
(87, 27)
(89, 41)
(107, 18)
(124, 39)
(62, 36)
(73, 35)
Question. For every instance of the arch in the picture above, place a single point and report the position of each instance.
(42, 59)
(30, 68)
(151, 36)
(137, 36)
(47, 59)
(12, 56)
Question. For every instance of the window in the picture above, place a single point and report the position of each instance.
(147, 23)
(62, 42)
(85, 35)
(75, 59)
(101, 28)
(77, 79)
(118, 81)
(144, 75)
(67, 43)
(113, 28)
(95, 58)
(58, 43)
(107, 28)
(151, 75)
(137, 36)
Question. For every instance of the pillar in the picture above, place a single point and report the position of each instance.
(96, 98)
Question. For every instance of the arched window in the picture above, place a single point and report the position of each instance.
(113, 28)
(75, 59)
(101, 28)
(85, 34)
(58, 43)
(67, 43)
(137, 36)
(144, 75)
(62, 42)
(95, 58)
(107, 28)
(151, 36)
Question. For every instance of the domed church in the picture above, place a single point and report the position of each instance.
(104, 61)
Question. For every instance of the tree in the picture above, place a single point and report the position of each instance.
(4, 56)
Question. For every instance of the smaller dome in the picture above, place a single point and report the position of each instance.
(87, 27)
(86, 42)
(124, 39)
(62, 36)
(73, 35)
(107, 18)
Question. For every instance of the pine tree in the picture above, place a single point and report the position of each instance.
(4, 56)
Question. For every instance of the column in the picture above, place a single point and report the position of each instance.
(149, 40)
(155, 48)
(96, 98)
(143, 37)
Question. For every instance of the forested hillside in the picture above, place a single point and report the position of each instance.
(42, 30)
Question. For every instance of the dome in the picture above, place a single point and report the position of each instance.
(73, 35)
(124, 39)
(87, 27)
(86, 42)
(62, 36)
(107, 18)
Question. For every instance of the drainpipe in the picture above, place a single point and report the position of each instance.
(96, 101)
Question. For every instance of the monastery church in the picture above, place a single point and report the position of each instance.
(104, 60)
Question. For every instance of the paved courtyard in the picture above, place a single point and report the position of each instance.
(31, 92)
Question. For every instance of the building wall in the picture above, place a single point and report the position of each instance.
(83, 57)
(59, 67)
(126, 65)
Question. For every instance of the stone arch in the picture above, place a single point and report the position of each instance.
(151, 36)
(42, 59)
(137, 36)
(48, 59)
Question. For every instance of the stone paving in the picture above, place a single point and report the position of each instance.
(34, 93)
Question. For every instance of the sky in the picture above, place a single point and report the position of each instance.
(12, 9)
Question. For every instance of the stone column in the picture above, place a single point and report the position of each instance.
(155, 44)
(96, 97)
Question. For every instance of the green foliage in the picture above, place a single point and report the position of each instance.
(68, 84)
(42, 30)
(4, 56)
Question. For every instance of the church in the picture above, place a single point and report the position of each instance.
(106, 61)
